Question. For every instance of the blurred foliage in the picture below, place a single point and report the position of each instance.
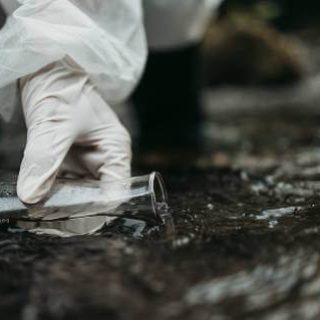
(241, 49)
(283, 14)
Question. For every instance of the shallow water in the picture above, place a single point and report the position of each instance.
(91, 225)
(246, 242)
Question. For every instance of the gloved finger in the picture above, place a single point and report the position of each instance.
(49, 139)
(110, 157)
(106, 144)
(72, 167)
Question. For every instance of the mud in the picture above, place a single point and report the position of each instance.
(246, 247)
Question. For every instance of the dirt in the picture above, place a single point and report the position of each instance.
(247, 243)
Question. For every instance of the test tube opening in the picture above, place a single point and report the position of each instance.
(159, 196)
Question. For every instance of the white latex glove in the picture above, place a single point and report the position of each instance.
(62, 109)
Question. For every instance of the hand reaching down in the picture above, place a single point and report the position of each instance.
(71, 129)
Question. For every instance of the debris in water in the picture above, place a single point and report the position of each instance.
(210, 206)
(167, 220)
(129, 226)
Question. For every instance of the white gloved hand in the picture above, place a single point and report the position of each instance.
(70, 127)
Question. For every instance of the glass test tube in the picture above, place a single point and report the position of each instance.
(92, 202)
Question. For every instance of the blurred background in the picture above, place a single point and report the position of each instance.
(256, 88)
(258, 63)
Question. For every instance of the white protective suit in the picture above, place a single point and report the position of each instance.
(105, 38)
(67, 61)
(176, 23)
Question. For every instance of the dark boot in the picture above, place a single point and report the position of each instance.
(3, 17)
(167, 101)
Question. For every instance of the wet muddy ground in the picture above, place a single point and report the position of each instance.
(247, 243)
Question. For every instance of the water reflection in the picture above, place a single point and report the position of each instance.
(133, 223)
(67, 227)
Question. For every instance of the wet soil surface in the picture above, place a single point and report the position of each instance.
(247, 243)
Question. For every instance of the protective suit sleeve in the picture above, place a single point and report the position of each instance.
(105, 38)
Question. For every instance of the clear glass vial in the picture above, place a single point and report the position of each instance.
(82, 207)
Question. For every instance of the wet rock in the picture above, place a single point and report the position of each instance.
(270, 285)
